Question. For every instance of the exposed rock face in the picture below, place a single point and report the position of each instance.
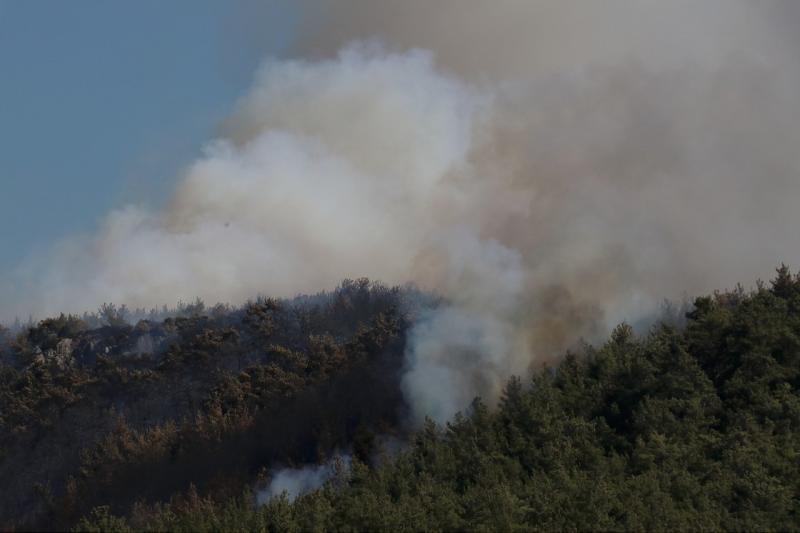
(64, 348)
(62, 354)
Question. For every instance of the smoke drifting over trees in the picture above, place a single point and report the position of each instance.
(524, 176)
(549, 169)
(679, 429)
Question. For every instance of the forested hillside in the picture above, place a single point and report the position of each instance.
(129, 413)
(686, 427)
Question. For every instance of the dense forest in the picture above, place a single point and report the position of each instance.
(177, 423)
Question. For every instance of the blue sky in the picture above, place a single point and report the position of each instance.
(103, 102)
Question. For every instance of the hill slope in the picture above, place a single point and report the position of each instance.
(126, 413)
(683, 428)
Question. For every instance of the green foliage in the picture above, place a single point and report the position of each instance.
(694, 429)
(101, 520)
(681, 429)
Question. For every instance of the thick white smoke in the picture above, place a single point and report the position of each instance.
(334, 169)
(295, 482)
(550, 168)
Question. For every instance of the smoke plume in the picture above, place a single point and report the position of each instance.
(298, 481)
(551, 168)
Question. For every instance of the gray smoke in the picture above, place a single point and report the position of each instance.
(551, 168)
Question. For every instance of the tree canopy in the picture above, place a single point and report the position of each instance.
(689, 427)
